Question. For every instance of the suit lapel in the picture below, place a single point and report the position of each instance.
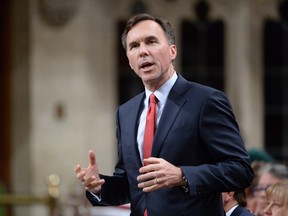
(237, 211)
(133, 118)
(174, 103)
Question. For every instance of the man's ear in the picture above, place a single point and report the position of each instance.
(173, 51)
(230, 194)
(227, 195)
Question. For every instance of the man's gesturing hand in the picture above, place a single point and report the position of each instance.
(159, 173)
(90, 176)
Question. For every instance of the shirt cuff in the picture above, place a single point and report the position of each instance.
(98, 197)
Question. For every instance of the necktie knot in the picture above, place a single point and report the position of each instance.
(153, 99)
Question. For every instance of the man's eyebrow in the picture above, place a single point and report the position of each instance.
(151, 37)
(132, 43)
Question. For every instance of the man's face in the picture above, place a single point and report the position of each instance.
(150, 54)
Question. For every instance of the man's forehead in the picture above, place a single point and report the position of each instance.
(144, 29)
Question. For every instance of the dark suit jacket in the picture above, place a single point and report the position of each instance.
(241, 211)
(197, 132)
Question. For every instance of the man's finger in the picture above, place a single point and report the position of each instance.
(80, 175)
(91, 158)
(77, 168)
(87, 182)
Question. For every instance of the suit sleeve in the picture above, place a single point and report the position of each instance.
(230, 167)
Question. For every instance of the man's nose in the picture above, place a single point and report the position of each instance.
(143, 50)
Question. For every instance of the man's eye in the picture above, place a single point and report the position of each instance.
(132, 46)
(152, 41)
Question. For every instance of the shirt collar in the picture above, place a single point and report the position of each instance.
(162, 93)
(228, 213)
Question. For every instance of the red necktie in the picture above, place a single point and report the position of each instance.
(150, 127)
(149, 130)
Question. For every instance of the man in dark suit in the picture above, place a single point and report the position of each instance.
(234, 203)
(197, 149)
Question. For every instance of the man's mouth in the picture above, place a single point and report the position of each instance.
(146, 65)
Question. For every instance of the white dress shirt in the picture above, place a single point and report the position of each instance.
(228, 213)
(161, 95)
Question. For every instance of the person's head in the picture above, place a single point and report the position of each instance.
(233, 198)
(249, 191)
(268, 175)
(151, 49)
(164, 24)
(277, 199)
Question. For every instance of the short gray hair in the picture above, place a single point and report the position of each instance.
(278, 170)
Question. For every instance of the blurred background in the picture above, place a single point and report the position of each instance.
(64, 72)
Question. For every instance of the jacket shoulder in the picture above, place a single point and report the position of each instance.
(135, 101)
(196, 90)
